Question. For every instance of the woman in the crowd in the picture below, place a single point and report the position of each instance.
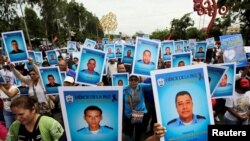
(133, 97)
(31, 125)
(7, 93)
(34, 83)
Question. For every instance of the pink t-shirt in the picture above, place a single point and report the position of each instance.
(3, 131)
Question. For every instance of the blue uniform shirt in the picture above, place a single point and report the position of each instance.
(177, 121)
(150, 63)
(102, 130)
(94, 72)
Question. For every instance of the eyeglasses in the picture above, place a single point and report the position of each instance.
(133, 80)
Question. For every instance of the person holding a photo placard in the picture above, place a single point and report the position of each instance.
(15, 48)
(136, 115)
(184, 106)
(93, 116)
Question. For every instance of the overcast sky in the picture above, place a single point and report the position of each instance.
(144, 15)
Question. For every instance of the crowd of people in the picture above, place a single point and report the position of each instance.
(138, 95)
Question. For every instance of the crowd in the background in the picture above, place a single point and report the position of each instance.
(22, 108)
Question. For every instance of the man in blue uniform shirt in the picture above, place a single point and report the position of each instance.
(184, 106)
(91, 67)
(93, 116)
(146, 58)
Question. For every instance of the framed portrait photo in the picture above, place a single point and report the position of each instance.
(233, 50)
(39, 57)
(51, 78)
(128, 54)
(52, 57)
(167, 48)
(110, 50)
(215, 74)
(89, 43)
(187, 87)
(201, 49)
(226, 86)
(146, 56)
(120, 79)
(104, 104)
(71, 46)
(15, 46)
(210, 42)
(90, 67)
(181, 59)
(179, 46)
(118, 50)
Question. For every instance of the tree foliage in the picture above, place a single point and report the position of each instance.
(160, 34)
(56, 18)
(179, 26)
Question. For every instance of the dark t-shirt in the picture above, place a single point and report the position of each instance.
(25, 135)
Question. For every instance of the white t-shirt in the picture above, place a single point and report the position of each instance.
(39, 92)
(6, 103)
(239, 102)
(112, 68)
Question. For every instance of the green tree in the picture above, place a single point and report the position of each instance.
(34, 24)
(160, 34)
(241, 12)
(179, 26)
(7, 15)
(194, 33)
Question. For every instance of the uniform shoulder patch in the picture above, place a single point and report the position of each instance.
(200, 117)
(81, 129)
(171, 121)
(108, 127)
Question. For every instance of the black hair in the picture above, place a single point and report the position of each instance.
(181, 93)
(25, 102)
(92, 107)
(50, 75)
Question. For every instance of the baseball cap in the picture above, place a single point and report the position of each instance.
(69, 79)
(133, 77)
